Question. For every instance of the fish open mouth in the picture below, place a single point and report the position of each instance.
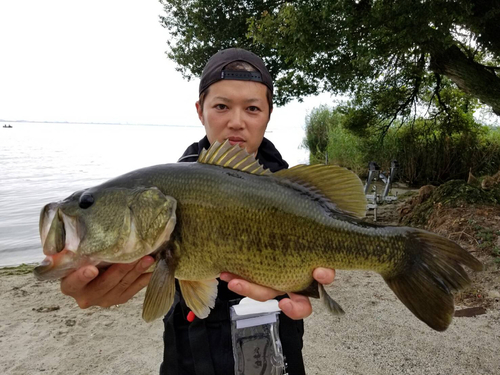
(58, 231)
(60, 238)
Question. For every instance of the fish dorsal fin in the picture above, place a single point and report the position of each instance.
(233, 157)
(340, 185)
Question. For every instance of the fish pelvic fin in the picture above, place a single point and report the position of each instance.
(199, 295)
(234, 157)
(160, 293)
(339, 185)
(425, 284)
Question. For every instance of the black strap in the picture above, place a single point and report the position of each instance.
(200, 348)
(198, 336)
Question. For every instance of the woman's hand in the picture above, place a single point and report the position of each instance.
(113, 286)
(295, 307)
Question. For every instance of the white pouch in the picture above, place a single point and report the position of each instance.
(256, 344)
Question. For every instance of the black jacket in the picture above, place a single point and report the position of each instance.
(267, 154)
(204, 346)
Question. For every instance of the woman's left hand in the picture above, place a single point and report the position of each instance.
(295, 307)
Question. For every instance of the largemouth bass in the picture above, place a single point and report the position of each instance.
(225, 213)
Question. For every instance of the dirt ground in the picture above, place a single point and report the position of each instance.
(44, 332)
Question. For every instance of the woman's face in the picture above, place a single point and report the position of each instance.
(237, 111)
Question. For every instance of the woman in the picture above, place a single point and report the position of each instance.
(235, 104)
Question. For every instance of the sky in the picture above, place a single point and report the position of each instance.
(101, 61)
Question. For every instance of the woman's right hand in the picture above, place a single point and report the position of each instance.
(113, 286)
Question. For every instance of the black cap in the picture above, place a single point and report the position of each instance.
(213, 71)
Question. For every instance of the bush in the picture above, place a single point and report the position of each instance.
(427, 151)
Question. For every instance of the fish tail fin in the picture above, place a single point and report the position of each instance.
(429, 276)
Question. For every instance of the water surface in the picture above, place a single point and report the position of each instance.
(43, 162)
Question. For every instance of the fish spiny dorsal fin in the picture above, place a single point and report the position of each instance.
(234, 157)
(340, 185)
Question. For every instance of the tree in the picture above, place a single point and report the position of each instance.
(388, 55)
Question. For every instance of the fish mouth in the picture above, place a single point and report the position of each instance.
(56, 266)
(58, 231)
(60, 240)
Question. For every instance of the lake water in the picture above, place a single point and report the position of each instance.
(42, 163)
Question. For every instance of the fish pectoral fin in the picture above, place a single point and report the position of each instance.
(160, 292)
(199, 295)
(329, 302)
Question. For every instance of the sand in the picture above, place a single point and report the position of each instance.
(44, 332)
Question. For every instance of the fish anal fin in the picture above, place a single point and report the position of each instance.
(311, 291)
(317, 290)
(199, 295)
(234, 157)
(160, 292)
(339, 185)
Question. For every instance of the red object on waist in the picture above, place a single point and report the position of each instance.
(190, 317)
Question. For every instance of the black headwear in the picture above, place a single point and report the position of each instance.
(214, 70)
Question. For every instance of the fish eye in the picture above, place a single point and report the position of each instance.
(86, 200)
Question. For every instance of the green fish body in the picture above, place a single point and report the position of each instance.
(225, 213)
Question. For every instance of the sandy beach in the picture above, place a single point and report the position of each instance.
(44, 332)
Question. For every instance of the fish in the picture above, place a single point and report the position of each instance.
(226, 213)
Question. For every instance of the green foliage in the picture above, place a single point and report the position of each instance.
(428, 151)
(455, 193)
(344, 149)
(388, 55)
(317, 124)
(486, 238)
(496, 253)
(429, 155)
(327, 139)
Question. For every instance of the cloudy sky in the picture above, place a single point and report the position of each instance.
(99, 61)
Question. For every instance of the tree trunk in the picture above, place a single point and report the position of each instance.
(468, 75)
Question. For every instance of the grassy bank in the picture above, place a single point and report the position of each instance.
(22, 269)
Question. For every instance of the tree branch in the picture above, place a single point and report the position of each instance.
(490, 67)
(470, 76)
